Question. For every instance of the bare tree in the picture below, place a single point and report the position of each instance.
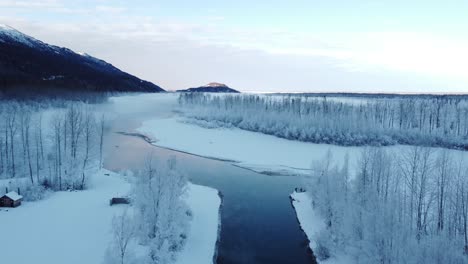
(12, 127)
(57, 130)
(26, 125)
(88, 134)
(444, 168)
(123, 230)
(102, 124)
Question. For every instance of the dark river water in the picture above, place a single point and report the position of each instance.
(258, 223)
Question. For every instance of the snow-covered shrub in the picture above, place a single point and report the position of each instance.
(34, 192)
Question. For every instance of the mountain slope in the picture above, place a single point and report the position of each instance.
(28, 65)
(211, 88)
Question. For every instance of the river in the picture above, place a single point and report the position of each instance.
(258, 223)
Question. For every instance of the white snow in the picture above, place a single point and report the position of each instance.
(215, 84)
(67, 227)
(52, 77)
(16, 35)
(253, 150)
(201, 241)
(14, 196)
(75, 227)
(312, 223)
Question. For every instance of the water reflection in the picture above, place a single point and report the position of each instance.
(258, 223)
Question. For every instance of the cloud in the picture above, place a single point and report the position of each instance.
(417, 53)
(77, 7)
(110, 9)
(177, 53)
(405, 52)
(30, 4)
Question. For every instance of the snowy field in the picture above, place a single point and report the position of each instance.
(67, 227)
(312, 223)
(75, 227)
(252, 150)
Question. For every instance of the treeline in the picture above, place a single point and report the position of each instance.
(411, 208)
(433, 121)
(51, 95)
(375, 95)
(48, 148)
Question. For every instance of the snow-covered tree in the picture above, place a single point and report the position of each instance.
(405, 209)
(123, 232)
(424, 120)
(161, 213)
(52, 147)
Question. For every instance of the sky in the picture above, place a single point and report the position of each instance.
(290, 46)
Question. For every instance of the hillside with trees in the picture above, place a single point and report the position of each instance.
(30, 66)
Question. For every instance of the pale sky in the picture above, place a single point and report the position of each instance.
(296, 45)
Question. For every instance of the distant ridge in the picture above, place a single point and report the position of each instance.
(28, 65)
(212, 87)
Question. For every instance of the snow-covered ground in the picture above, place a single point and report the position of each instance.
(312, 223)
(201, 241)
(67, 227)
(252, 150)
(75, 227)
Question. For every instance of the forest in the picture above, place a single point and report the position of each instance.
(49, 148)
(410, 208)
(436, 121)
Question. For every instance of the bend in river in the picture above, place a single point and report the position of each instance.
(258, 223)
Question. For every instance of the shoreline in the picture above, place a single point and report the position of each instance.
(218, 239)
(253, 168)
(309, 249)
(312, 223)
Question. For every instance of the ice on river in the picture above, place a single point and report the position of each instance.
(256, 151)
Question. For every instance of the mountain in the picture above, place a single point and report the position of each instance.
(28, 65)
(213, 87)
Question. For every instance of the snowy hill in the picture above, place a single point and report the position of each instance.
(28, 65)
(212, 87)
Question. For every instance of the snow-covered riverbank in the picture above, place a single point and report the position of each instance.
(256, 151)
(204, 227)
(312, 223)
(253, 150)
(75, 227)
